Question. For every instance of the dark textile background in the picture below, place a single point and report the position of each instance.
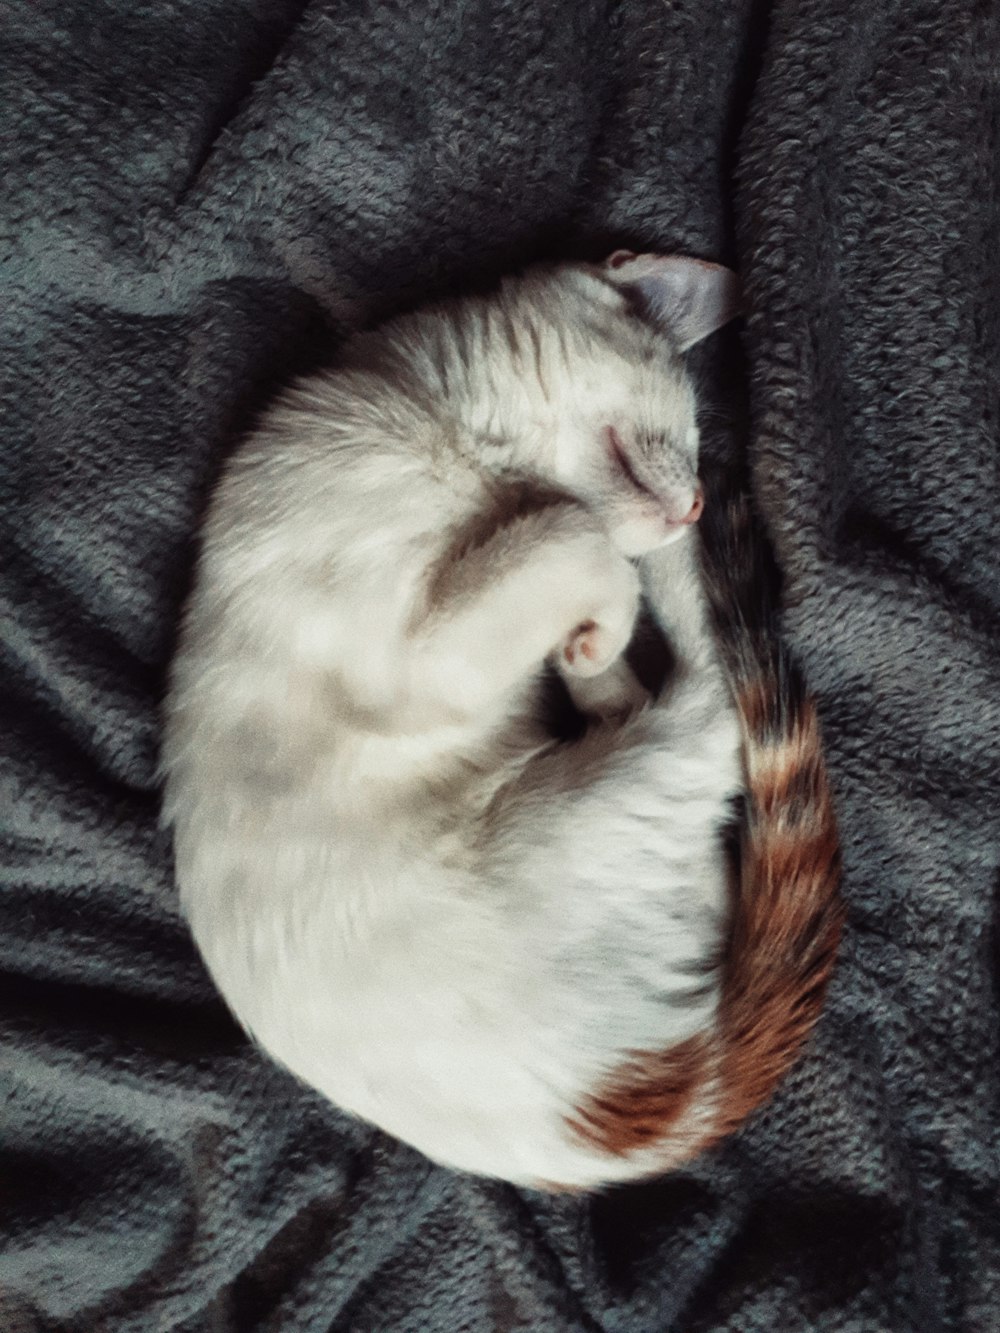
(199, 195)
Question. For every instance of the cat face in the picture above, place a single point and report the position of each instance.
(615, 416)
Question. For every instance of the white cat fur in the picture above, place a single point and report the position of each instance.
(416, 900)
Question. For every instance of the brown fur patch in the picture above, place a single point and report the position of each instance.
(514, 512)
(754, 700)
(786, 909)
(787, 769)
(643, 1099)
(786, 922)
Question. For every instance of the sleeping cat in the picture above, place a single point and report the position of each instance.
(522, 955)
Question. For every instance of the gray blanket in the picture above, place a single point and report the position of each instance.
(199, 196)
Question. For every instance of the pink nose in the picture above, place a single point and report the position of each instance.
(694, 513)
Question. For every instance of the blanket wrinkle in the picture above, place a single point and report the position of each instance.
(200, 197)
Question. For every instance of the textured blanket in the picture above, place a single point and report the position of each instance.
(200, 196)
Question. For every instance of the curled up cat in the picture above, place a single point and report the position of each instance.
(530, 957)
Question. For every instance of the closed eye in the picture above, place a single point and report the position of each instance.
(622, 461)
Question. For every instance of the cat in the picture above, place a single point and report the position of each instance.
(528, 957)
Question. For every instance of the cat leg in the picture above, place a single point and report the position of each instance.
(614, 693)
(592, 664)
(591, 661)
(497, 611)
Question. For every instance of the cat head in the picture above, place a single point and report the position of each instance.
(616, 417)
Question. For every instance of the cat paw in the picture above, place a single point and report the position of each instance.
(591, 647)
(590, 650)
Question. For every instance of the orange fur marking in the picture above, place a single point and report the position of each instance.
(643, 1099)
(786, 923)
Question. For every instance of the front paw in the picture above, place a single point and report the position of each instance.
(591, 648)
(599, 640)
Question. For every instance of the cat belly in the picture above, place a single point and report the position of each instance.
(479, 1062)
(488, 1008)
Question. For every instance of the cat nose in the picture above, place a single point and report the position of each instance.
(694, 513)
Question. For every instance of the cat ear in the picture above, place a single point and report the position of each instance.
(691, 298)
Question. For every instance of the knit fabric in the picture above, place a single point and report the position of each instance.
(199, 198)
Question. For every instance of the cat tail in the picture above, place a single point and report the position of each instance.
(661, 1107)
(786, 911)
